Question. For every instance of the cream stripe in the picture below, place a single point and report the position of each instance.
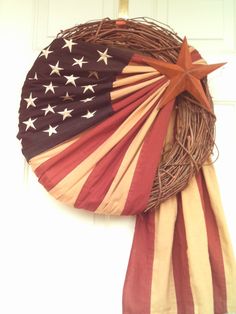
(197, 243)
(121, 92)
(74, 176)
(200, 61)
(163, 296)
(41, 158)
(227, 250)
(69, 193)
(137, 69)
(133, 78)
(114, 201)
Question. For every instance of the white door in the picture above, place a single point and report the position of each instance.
(55, 259)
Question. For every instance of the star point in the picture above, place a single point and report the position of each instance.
(49, 87)
(34, 78)
(66, 113)
(51, 130)
(45, 52)
(67, 97)
(69, 44)
(56, 69)
(93, 73)
(30, 123)
(71, 79)
(88, 99)
(88, 88)
(79, 62)
(184, 76)
(30, 101)
(89, 114)
(103, 56)
(48, 109)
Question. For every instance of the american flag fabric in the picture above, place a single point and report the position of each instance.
(91, 129)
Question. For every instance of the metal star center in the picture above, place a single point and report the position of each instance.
(183, 76)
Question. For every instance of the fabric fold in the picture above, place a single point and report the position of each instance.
(180, 255)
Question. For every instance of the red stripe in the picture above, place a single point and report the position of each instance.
(183, 291)
(140, 58)
(195, 55)
(148, 163)
(118, 105)
(138, 281)
(136, 58)
(215, 250)
(99, 181)
(56, 168)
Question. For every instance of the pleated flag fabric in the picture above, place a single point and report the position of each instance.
(182, 256)
(91, 129)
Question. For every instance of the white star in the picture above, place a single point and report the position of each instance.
(71, 79)
(51, 130)
(30, 101)
(93, 73)
(55, 68)
(79, 62)
(45, 52)
(68, 44)
(35, 77)
(103, 56)
(67, 97)
(88, 87)
(49, 87)
(29, 123)
(49, 109)
(87, 99)
(66, 113)
(89, 114)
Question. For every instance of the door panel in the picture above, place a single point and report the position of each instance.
(51, 16)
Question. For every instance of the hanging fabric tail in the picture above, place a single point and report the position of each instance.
(182, 256)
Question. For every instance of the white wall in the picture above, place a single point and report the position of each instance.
(54, 258)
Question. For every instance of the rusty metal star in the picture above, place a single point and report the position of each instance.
(183, 76)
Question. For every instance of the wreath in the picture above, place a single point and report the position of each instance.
(193, 139)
